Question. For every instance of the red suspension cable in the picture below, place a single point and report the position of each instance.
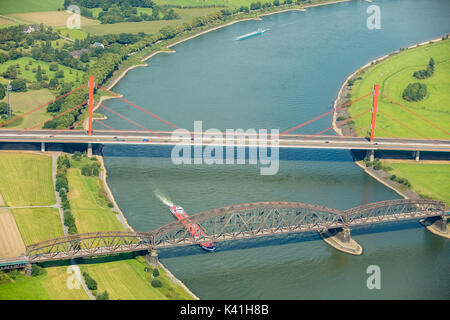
(325, 114)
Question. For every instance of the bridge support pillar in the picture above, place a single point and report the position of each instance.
(371, 155)
(417, 155)
(152, 257)
(42, 146)
(341, 240)
(438, 226)
(27, 269)
(89, 150)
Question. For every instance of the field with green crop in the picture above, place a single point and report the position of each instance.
(393, 75)
(127, 279)
(16, 6)
(26, 179)
(38, 224)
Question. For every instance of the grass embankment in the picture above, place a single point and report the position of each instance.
(394, 74)
(130, 279)
(26, 179)
(430, 181)
(88, 202)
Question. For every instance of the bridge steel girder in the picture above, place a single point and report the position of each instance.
(241, 221)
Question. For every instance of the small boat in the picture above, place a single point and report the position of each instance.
(251, 34)
(193, 228)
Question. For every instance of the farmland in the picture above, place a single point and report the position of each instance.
(26, 179)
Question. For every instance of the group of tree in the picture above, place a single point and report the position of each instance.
(91, 169)
(428, 72)
(62, 186)
(90, 282)
(415, 91)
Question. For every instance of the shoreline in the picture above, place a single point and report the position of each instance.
(122, 219)
(341, 99)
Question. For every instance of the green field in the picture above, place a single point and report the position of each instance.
(127, 280)
(90, 211)
(49, 286)
(149, 27)
(26, 179)
(428, 180)
(38, 224)
(18, 6)
(22, 102)
(393, 75)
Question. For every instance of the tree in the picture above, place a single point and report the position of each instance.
(53, 84)
(2, 91)
(18, 85)
(415, 91)
(102, 296)
(53, 67)
(84, 57)
(10, 73)
(39, 74)
(90, 283)
(3, 108)
(156, 283)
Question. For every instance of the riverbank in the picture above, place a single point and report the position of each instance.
(344, 96)
(122, 219)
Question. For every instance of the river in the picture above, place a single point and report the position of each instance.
(288, 75)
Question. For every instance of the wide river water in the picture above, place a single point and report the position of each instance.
(284, 77)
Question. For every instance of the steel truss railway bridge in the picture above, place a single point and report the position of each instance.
(240, 221)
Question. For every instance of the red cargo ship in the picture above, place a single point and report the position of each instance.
(194, 229)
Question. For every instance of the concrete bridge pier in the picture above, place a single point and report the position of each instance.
(152, 257)
(89, 150)
(27, 269)
(341, 240)
(438, 226)
(42, 146)
(371, 155)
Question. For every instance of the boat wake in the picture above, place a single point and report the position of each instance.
(162, 197)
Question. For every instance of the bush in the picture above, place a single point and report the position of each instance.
(428, 72)
(18, 85)
(156, 283)
(415, 92)
(76, 156)
(36, 270)
(61, 182)
(91, 283)
(102, 296)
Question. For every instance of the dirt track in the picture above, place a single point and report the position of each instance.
(11, 243)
